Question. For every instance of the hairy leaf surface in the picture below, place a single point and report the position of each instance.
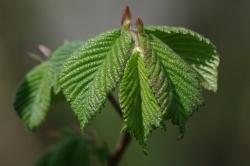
(195, 49)
(144, 93)
(185, 84)
(58, 58)
(33, 96)
(160, 71)
(95, 70)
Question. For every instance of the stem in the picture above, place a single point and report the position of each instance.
(122, 144)
(115, 158)
(115, 104)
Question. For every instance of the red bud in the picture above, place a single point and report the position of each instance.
(126, 19)
(139, 25)
(44, 50)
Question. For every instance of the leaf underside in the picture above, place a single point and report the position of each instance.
(33, 96)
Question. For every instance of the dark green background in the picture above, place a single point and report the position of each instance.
(218, 134)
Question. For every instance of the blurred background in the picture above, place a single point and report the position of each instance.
(217, 135)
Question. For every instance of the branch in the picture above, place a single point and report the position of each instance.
(122, 144)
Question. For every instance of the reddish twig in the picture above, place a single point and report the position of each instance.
(115, 104)
(115, 158)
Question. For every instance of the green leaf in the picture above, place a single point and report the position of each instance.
(95, 70)
(71, 151)
(144, 93)
(44, 160)
(75, 150)
(58, 58)
(195, 49)
(185, 85)
(33, 96)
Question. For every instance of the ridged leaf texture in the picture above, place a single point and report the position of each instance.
(94, 71)
(196, 50)
(185, 85)
(33, 96)
(160, 71)
(58, 59)
(144, 92)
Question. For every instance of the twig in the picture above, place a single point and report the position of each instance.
(115, 104)
(36, 57)
(122, 144)
(115, 158)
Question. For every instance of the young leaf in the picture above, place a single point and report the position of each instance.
(93, 71)
(144, 93)
(195, 49)
(58, 58)
(185, 84)
(33, 96)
